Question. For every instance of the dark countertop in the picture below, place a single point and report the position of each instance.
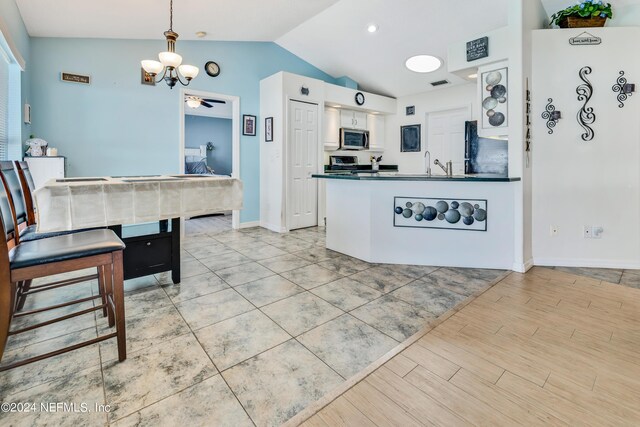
(394, 176)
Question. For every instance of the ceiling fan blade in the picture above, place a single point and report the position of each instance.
(205, 104)
(215, 101)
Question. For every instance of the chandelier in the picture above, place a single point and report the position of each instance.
(170, 64)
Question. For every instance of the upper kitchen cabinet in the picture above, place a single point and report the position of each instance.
(331, 129)
(376, 127)
(350, 119)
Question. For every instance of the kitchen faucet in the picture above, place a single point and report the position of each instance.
(448, 169)
(427, 167)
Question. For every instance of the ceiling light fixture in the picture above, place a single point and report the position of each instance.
(201, 34)
(372, 28)
(423, 63)
(193, 101)
(473, 76)
(170, 61)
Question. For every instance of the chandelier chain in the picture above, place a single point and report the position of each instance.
(170, 15)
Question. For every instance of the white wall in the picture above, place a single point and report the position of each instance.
(448, 98)
(577, 183)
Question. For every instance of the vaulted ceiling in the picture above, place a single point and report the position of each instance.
(330, 34)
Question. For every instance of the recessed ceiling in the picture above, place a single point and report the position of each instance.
(238, 20)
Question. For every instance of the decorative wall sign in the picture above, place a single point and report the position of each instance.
(527, 138)
(585, 39)
(304, 91)
(75, 78)
(268, 129)
(586, 116)
(495, 85)
(477, 49)
(551, 116)
(450, 214)
(410, 110)
(410, 139)
(623, 89)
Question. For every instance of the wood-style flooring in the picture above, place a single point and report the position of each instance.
(542, 348)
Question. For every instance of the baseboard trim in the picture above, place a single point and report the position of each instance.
(523, 268)
(587, 263)
(250, 224)
(272, 227)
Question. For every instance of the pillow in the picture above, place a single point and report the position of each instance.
(196, 167)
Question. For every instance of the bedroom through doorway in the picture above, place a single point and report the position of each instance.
(210, 145)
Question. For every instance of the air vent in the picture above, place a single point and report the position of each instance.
(440, 83)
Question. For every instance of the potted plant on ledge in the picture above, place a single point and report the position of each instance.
(588, 13)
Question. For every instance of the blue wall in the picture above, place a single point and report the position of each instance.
(18, 33)
(199, 130)
(116, 126)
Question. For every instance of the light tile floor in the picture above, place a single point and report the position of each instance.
(262, 325)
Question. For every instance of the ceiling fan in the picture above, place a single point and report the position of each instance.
(196, 101)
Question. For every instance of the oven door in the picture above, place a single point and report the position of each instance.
(353, 139)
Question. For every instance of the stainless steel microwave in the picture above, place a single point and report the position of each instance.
(354, 139)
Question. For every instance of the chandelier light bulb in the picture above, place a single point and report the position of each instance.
(189, 71)
(170, 59)
(152, 67)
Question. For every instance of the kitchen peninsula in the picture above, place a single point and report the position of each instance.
(454, 221)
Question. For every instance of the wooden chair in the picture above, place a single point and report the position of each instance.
(20, 262)
(28, 187)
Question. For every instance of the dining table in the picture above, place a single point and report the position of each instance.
(144, 211)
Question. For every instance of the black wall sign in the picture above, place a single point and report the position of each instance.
(477, 49)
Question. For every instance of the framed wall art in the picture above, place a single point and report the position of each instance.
(248, 125)
(268, 129)
(494, 99)
(410, 138)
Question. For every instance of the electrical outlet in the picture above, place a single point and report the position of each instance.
(553, 230)
(587, 232)
(596, 232)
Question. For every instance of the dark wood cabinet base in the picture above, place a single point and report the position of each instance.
(151, 252)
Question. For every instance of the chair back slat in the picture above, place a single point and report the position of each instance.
(12, 181)
(6, 213)
(26, 182)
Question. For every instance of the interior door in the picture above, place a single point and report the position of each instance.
(445, 138)
(302, 200)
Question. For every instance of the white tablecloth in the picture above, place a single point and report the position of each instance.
(98, 202)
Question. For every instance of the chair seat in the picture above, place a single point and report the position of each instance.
(29, 234)
(63, 248)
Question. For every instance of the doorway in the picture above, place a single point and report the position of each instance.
(302, 155)
(211, 143)
(445, 138)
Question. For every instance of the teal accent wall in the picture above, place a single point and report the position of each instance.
(198, 130)
(347, 82)
(18, 33)
(116, 126)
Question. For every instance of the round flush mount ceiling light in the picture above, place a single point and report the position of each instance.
(372, 28)
(201, 34)
(423, 63)
(473, 76)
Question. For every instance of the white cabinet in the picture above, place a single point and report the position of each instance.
(353, 119)
(45, 168)
(376, 123)
(331, 135)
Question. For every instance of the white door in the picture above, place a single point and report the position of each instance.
(302, 201)
(445, 138)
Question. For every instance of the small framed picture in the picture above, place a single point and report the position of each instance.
(248, 125)
(268, 129)
(410, 138)
(146, 78)
(410, 110)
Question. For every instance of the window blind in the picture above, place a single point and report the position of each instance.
(4, 105)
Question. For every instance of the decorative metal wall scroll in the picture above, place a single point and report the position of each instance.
(551, 116)
(586, 116)
(623, 89)
(527, 138)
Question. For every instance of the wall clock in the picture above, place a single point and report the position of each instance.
(359, 98)
(212, 68)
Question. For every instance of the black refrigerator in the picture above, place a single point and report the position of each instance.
(484, 155)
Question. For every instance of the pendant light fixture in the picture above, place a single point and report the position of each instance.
(170, 64)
